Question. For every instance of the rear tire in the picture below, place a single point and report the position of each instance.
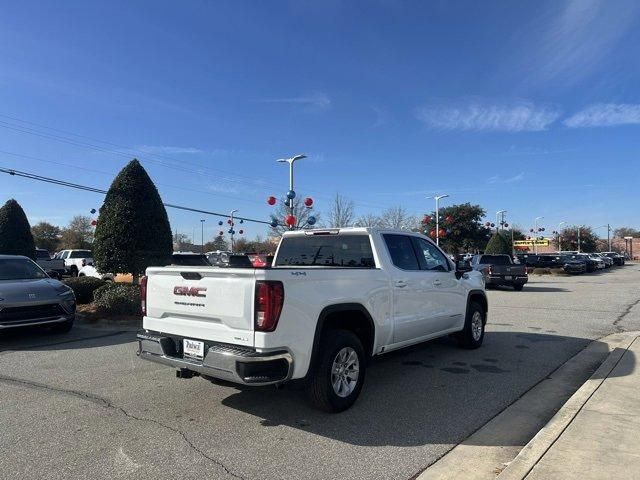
(73, 271)
(472, 334)
(339, 374)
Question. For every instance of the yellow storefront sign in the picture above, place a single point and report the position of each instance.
(530, 243)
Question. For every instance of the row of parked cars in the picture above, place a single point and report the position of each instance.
(573, 262)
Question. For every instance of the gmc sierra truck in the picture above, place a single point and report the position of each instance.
(330, 301)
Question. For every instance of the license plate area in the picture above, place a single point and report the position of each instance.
(192, 349)
(508, 277)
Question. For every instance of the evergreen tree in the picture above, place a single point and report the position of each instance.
(133, 230)
(497, 245)
(15, 232)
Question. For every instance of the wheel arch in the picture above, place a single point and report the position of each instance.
(353, 317)
(480, 297)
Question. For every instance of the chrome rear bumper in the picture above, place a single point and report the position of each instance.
(240, 365)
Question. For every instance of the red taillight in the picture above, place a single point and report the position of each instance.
(143, 295)
(269, 300)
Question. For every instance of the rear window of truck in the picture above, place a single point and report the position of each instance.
(350, 251)
(495, 260)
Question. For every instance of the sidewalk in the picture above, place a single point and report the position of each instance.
(596, 434)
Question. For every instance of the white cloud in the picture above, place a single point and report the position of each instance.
(571, 39)
(498, 179)
(517, 116)
(316, 100)
(166, 150)
(605, 115)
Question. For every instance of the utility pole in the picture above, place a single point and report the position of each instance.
(535, 240)
(609, 236)
(202, 236)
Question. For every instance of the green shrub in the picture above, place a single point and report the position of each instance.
(118, 299)
(84, 288)
(15, 232)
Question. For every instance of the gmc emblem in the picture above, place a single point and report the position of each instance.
(190, 291)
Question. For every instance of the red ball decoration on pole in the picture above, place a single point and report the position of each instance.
(271, 200)
(432, 233)
(229, 221)
(441, 233)
(290, 220)
(448, 219)
(426, 219)
(308, 202)
(94, 222)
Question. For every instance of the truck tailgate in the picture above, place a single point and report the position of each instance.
(206, 303)
(507, 270)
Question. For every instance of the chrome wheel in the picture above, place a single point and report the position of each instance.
(345, 371)
(476, 325)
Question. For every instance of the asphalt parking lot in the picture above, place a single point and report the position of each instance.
(82, 405)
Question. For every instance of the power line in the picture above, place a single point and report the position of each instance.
(165, 161)
(77, 186)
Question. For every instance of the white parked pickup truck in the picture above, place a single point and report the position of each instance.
(331, 300)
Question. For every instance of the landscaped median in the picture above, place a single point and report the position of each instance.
(106, 301)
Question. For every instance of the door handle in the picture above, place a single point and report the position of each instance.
(401, 283)
(437, 283)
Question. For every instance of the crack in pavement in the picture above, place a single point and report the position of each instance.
(105, 403)
(627, 311)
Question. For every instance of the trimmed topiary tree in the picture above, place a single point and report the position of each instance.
(133, 230)
(15, 231)
(498, 245)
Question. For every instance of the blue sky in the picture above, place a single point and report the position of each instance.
(532, 107)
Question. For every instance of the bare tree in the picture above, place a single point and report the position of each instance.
(78, 234)
(341, 212)
(368, 220)
(398, 218)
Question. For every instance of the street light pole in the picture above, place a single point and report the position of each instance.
(291, 161)
(232, 227)
(578, 239)
(535, 240)
(560, 237)
(437, 199)
(202, 235)
(500, 223)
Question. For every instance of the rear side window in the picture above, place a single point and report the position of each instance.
(495, 260)
(80, 254)
(401, 251)
(352, 251)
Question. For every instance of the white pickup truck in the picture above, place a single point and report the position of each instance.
(331, 300)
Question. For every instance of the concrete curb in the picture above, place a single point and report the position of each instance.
(486, 452)
(531, 454)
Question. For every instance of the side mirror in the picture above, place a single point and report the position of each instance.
(53, 274)
(463, 266)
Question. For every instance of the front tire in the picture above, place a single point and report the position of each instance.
(335, 384)
(472, 334)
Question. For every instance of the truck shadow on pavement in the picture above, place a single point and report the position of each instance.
(33, 338)
(433, 393)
